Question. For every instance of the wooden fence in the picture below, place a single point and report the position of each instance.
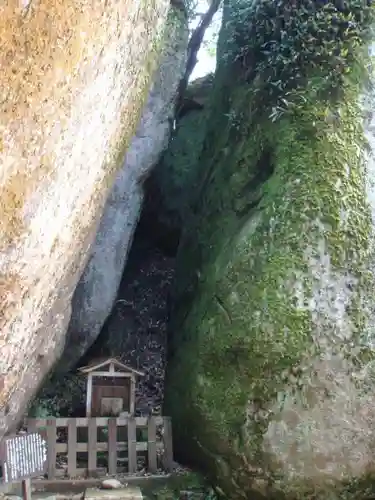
(75, 444)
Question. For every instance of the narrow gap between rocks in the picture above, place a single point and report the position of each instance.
(136, 330)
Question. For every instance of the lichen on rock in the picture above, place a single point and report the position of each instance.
(96, 291)
(268, 377)
(73, 78)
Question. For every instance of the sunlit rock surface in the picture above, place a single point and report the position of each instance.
(97, 289)
(74, 77)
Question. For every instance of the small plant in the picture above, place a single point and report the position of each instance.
(45, 408)
(234, 119)
(285, 46)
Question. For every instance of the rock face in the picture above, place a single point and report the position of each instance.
(135, 332)
(270, 375)
(98, 286)
(75, 78)
(177, 175)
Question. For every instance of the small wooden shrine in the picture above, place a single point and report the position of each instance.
(110, 387)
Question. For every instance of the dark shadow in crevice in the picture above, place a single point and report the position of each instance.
(135, 331)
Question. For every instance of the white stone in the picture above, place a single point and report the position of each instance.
(111, 484)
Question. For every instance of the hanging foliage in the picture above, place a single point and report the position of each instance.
(285, 45)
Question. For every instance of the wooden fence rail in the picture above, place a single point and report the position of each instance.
(62, 435)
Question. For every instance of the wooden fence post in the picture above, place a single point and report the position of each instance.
(91, 446)
(112, 446)
(132, 445)
(31, 426)
(168, 444)
(51, 447)
(151, 445)
(72, 447)
(26, 489)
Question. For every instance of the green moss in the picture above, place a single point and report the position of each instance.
(174, 182)
(190, 483)
(177, 175)
(283, 49)
(282, 229)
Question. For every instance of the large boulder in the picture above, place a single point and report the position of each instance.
(97, 289)
(74, 80)
(270, 370)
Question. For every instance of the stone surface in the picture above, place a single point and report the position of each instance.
(135, 332)
(177, 175)
(111, 484)
(36, 496)
(129, 493)
(270, 372)
(98, 286)
(76, 77)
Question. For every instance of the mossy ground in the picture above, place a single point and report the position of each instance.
(186, 485)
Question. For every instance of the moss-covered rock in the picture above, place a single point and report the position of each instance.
(177, 174)
(170, 186)
(269, 377)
